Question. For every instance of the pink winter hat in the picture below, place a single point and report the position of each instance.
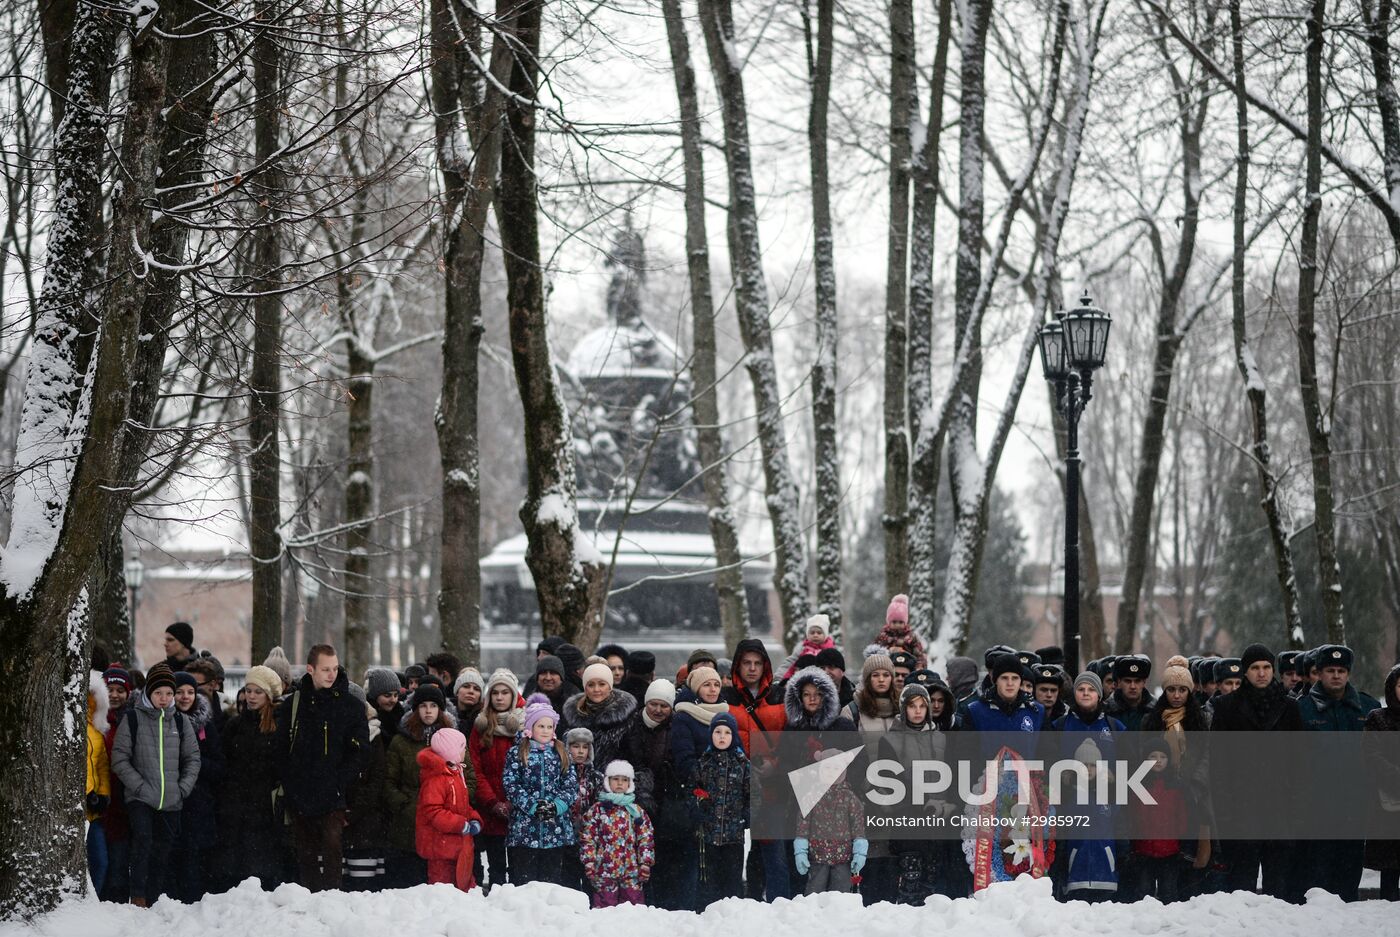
(538, 707)
(449, 744)
(898, 610)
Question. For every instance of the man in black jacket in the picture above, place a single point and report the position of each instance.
(1261, 704)
(324, 734)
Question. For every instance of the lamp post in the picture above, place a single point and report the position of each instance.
(1072, 348)
(133, 572)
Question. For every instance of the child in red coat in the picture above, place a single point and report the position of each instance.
(617, 844)
(445, 822)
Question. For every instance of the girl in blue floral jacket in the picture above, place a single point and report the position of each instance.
(540, 784)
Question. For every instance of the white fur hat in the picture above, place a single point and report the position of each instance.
(622, 769)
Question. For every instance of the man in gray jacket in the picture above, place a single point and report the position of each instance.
(156, 756)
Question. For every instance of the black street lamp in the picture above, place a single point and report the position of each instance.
(1072, 348)
(133, 572)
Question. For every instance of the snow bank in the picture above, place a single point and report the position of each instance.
(1024, 908)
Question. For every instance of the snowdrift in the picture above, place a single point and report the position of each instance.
(1024, 908)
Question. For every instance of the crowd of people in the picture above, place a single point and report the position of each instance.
(596, 774)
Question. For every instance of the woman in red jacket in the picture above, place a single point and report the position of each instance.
(445, 822)
(492, 740)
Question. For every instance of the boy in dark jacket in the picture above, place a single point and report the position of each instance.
(324, 734)
(721, 798)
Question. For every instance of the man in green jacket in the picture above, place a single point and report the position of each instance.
(1335, 705)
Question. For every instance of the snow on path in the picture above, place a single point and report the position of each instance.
(1024, 908)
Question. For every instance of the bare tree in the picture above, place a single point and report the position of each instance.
(827, 453)
(1318, 422)
(73, 432)
(265, 376)
(568, 569)
(729, 576)
(1192, 104)
(751, 304)
(463, 103)
(903, 105)
(924, 469)
(1254, 386)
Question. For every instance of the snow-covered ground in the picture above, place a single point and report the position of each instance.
(1024, 908)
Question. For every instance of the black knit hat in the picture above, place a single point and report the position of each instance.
(641, 663)
(698, 656)
(160, 675)
(429, 692)
(1254, 654)
(572, 658)
(830, 657)
(549, 645)
(1132, 666)
(181, 631)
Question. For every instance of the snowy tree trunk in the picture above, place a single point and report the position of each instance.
(924, 466)
(73, 430)
(1191, 114)
(970, 475)
(265, 374)
(568, 569)
(1254, 387)
(1378, 26)
(729, 575)
(469, 188)
(827, 453)
(964, 466)
(359, 484)
(903, 101)
(751, 304)
(1317, 417)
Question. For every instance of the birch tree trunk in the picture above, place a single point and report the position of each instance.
(1318, 421)
(468, 192)
(827, 452)
(903, 100)
(1254, 387)
(751, 304)
(970, 474)
(729, 575)
(265, 374)
(73, 428)
(927, 456)
(568, 570)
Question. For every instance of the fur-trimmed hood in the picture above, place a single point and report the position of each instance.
(201, 712)
(799, 718)
(97, 702)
